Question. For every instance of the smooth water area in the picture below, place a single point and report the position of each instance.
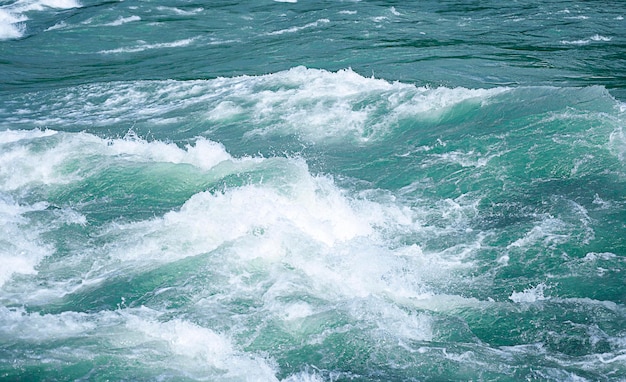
(312, 190)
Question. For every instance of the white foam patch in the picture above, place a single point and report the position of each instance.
(36, 327)
(297, 29)
(69, 216)
(593, 256)
(586, 41)
(24, 164)
(123, 20)
(549, 231)
(390, 319)
(12, 17)
(203, 153)
(144, 46)
(9, 136)
(10, 27)
(193, 350)
(311, 206)
(57, 4)
(617, 143)
(377, 306)
(57, 26)
(20, 246)
(530, 295)
(178, 11)
(41, 5)
(202, 345)
(296, 311)
(598, 37)
(320, 105)
(361, 270)
(225, 110)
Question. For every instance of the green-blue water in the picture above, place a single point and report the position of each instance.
(312, 190)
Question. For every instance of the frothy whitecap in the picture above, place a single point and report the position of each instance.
(11, 25)
(50, 166)
(145, 46)
(530, 295)
(21, 247)
(13, 19)
(123, 20)
(617, 143)
(195, 351)
(297, 29)
(594, 38)
(315, 105)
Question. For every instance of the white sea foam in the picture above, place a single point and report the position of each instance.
(203, 153)
(196, 351)
(123, 20)
(328, 241)
(575, 42)
(21, 248)
(548, 231)
(178, 11)
(303, 250)
(69, 216)
(20, 168)
(598, 37)
(601, 203)
(617, 143)
(13, 18)
(316, 105)
(297, 29)
(593, 256)
(38, 327)
(23, 165)
(187, 342)
(225, 110)
(321, 105)
(41, 5)
(9, 136)
(207, 220)
(11, 25)
(335, 242)
(144, 46)
(594, 38)
(59, 25)
(530, 295)
(57, 4)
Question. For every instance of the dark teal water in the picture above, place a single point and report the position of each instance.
(312, 190)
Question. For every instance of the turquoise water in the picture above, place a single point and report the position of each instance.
(312, 190)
